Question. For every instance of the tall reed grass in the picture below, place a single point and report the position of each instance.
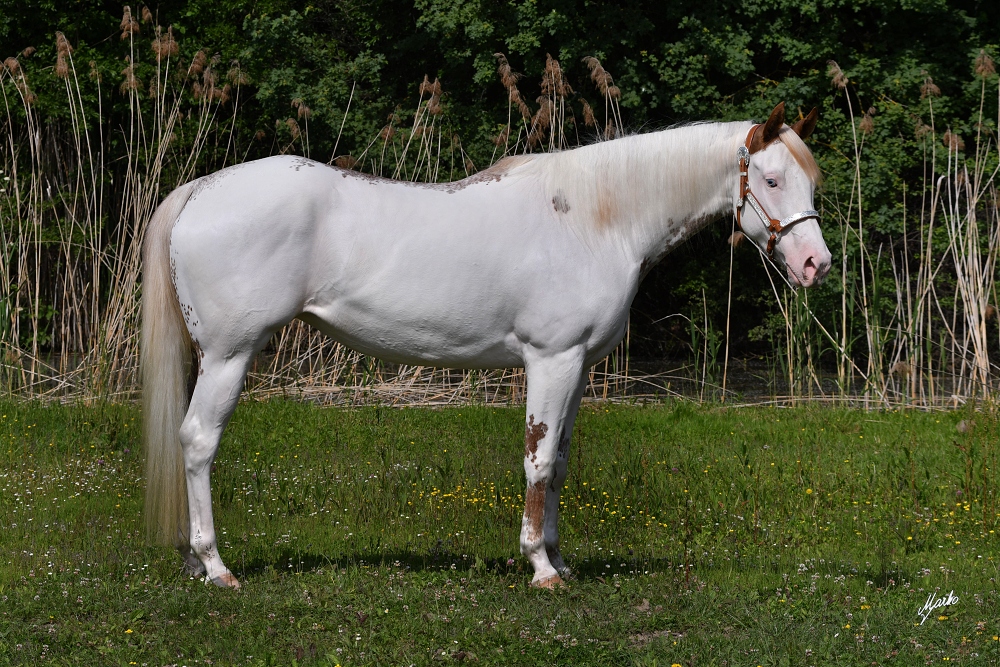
(931, 348)
(77, 192)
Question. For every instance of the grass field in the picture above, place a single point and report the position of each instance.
(699, 536)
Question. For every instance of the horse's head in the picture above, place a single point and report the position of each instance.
(775, 198)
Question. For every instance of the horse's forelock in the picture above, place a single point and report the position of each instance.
(803, 156)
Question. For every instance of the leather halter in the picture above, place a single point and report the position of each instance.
(774, 226)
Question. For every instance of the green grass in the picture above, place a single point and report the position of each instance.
(700, 536)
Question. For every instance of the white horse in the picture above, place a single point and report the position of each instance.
(533, 262)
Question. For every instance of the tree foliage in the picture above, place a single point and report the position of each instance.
(908, 64)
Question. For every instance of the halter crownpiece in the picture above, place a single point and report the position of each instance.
(774, 226)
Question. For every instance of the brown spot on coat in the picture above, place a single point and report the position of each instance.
(607, 207)
(534, 509)
(644, 267)
(559, 203)
(533, 434)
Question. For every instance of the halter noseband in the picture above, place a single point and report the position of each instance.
(774, 226)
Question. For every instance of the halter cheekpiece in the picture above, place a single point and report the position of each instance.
(774, 226)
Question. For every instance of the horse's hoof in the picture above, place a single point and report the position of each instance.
(226, 580)
(548, 582)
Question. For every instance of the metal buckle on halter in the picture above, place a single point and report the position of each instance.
(743, 153)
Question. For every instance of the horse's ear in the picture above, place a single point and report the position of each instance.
(805, 127)
(769, 132)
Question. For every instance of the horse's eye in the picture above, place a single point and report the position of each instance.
(771, 183)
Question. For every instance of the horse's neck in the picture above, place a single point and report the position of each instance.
(653, 191)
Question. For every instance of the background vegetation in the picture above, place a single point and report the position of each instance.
(99, 124)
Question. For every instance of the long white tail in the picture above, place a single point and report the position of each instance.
(165, 363)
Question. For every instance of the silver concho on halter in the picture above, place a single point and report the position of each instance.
(742, 155)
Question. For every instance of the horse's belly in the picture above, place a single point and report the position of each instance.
(417, 343)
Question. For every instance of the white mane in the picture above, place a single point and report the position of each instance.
(631, 187)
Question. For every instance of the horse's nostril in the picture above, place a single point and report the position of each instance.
(809, 269)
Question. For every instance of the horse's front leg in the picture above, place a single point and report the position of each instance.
(554, 392)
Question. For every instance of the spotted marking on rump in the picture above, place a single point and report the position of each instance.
(534, 510)
(533, 434)
(212, 180)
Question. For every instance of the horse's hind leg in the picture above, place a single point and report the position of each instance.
(553, 400)
(220, 381)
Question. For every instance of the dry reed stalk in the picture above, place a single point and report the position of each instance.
(613, 125)
(92, 342)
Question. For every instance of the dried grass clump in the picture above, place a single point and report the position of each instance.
(837, 77)
(901, 370)
(129, 26)
(198, 64)
(346, 162)
(501, 139)
(434, 90)
(952, 141)
(63, 49)
(131, 82)
(540, 122)
(165, 46)
(929, 88)
(921, 129)
(553, 81)
(303, 111)
(613, 125)
(984, 65)
(509, 79)
(867, 123)
(598, 74)
(236, 75)
(588, 114)
(20, 80)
